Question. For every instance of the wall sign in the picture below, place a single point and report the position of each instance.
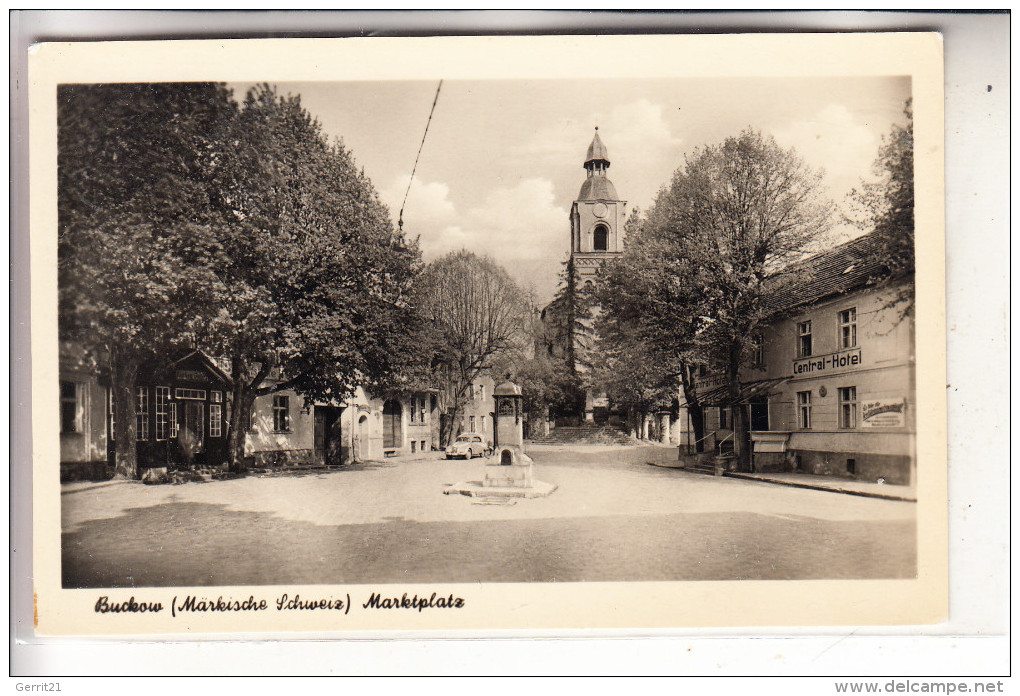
(883, 413)
(833, 362)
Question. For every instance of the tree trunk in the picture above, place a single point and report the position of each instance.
(697, 416)
(741, 438)
(125, 370)
(239, 415)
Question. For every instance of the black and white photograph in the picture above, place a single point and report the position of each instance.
(373, 337)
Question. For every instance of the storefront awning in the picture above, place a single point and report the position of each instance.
(720, 396)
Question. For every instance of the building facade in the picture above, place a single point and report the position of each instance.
(832, 389)
(182, 418)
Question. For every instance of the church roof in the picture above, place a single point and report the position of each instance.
(597, 150)
(597, 188)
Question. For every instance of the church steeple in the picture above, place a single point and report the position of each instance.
(596, 217)
(597, 186)
(597, 160)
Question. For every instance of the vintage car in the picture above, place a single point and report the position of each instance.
(467, 445)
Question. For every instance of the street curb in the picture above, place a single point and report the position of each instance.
(794, 484)
(101, 484)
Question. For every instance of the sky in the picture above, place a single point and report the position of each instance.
(503, 159)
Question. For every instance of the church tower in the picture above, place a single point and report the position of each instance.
(596, 216)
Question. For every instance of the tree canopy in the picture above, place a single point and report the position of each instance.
(697, 278)
(190, 220)
(886, 208)
(477, 315)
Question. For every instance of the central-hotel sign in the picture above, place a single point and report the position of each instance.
(827, 363)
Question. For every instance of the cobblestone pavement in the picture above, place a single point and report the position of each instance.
(613, 517)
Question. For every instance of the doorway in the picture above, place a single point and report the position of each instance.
(392, 417)
(327, 434)
(759, 413)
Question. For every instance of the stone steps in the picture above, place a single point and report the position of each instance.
(585, 434)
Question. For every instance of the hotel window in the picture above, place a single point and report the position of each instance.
(804, 339)
(142, 414)
(215, 420)
(848, 328)
(162, 412)
(281, 414)
(804, 409)
(70, 422)
(848, 407)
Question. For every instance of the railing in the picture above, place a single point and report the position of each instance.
(719, 444)
(692, 447)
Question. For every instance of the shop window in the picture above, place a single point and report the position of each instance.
(804, 409)
(804, 339)
(281, 414)
(215, 420)
(142, 414)
(848, 328)
(848, 407)
(70, 409)
(162, 412)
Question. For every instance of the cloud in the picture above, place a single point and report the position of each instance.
(834, 140)
(519, 226)
(643, 149)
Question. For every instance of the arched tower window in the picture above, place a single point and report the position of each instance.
(601, 238)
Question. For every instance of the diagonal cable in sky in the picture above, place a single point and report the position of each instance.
(400, 218)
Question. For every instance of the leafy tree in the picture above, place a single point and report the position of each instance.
(568, 340)
(136, 240)
(700, 279)
(478, 316)
(318, 282)
(886, 207)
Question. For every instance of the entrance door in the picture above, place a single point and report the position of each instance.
(192, 430)
(759, 413)
(320, 435)
(327, 434)
(361, 452)
(391, 424)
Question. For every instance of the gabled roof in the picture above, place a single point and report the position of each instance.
(206, 361)
(837, 271)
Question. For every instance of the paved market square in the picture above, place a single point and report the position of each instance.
(613, 518)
